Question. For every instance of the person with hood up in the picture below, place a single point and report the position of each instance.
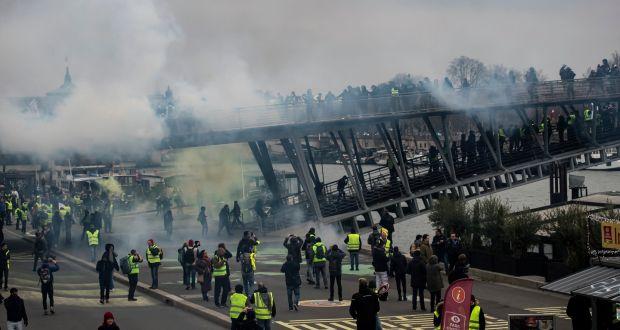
(202, 219)
(46, 279)
(221, 274)
(334, 257)
(398, 265)
(108, 322)
(307, 247)
(293, 281)
(365, 307)
(105, 267)
(224, 220)
(203, 269)
(264, 306)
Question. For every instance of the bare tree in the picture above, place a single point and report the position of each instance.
(465, 68)
(615, 58)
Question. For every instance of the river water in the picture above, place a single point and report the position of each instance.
(532, 195)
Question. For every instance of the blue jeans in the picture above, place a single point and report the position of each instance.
(248, 283)
(355, 259)
(189, 275)
(264, 324)
(289, 293)
(93, 253)
(154, 275)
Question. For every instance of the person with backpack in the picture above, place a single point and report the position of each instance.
(307, 247)
(154, 254)
(221, 275)
(293, 281)
(248, 267)
(130, 265)
(189, 258)
(202, 219)
(5, 264)
(203, 269)
(40, 249)
(335, 256)
(93, 241)
(46, 279)
(105, 267)
(319, 252)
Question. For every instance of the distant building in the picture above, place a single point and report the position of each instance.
(45, 105)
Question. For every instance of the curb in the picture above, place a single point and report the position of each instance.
(168, 298)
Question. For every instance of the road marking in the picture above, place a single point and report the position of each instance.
(414, 321)
(558, 311)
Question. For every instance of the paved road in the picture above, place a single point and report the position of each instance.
(76, 296)
(316, 313)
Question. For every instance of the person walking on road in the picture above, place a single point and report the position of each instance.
(105, 267)
(264, 306)
(307, 247)
(293, 245)
(168, 219)
(224, 220)
(203, 270)
(335, 256)
(221, 275)
(354, 245)
(108, 322)
(365, 307)
(238, 302)
(319, 253)
(16, 317)
(5, 264)
(417, 269)
(46, 279)
(40, 249)
(236, 215)
(202, 219)
(154, 254)
(133, 260)
(93, 242)
(380, 262)
(293, 282)
(434, 281)
(398, 265)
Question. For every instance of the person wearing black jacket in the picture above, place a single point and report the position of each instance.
(293, 281)
(246, 244)
(417, 269)
(293, 244)
(105, 268)
(15, 310)
(380, 262)
(364, 307)
(439, 247)
(387, 222)
(334, 257)
(247, 320)
(460, 269)
(398, 264)
(578, 309)
(5, 261)
(307, 247)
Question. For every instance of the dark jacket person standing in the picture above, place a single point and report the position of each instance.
(399, 267)
(334, 257)
(417, 269)
(293, 281)
(364, 307)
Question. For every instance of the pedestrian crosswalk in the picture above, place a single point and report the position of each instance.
(558, 311)
(414, 321)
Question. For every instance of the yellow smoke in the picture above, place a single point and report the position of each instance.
(111, 186)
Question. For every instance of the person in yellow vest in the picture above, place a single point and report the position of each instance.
(221, 275)
(154, 254)
(93, 242)
(476, 317)
(319, 253)
(9, 211)
(134, 261)
(264, 306)
(20, 219)
(5, 264)
(438, 316)
(354, 245)
(237, 301)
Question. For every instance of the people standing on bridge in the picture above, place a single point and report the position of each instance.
(221, 275)
(238, 302)
(202, 219)
(470, 146)
(93, 242)
(105, 267)
(387, 222)
(334, 257)
(5, 264)
(168, 219)
(365, 307)
(236, 215)
(16, 317)
(46, 279)
(224, 216)
(40, 249)
(434, 281)
(133, 261)
(154, 254)
(264, 306)
(354, 245)
(398, 265)
(292, 280)
(307, 247)
(562, 125)
(108, 322)
(293, 245)
(319, 254)
(417, 269)
(531, 80)
(340, 185)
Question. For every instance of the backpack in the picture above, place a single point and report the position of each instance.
(100, 266)
(44, 275)
(180, 255)
(188, 256)
(155, 251)
(320, 252)
(246, 263)
(124, 265)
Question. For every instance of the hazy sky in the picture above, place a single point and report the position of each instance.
(233, 46)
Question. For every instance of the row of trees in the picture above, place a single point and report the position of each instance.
(489, 224)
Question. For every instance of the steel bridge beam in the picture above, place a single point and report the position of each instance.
(295, 154)
(403, 178)
(261, 155)
(485, 138)
(447, 159)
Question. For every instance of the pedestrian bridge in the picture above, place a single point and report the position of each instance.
(412, 185)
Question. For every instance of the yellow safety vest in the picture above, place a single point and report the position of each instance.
(474, 318)
(502, 133)
(263, 311)
(316, 246)
(388, 245)
(394, 91)
(19, 214)
(9, 206)
(77, 200)
(436, 313)
(62, 212)
(572, 119)
(219, 271)
(587, 114)
(354, 242)
(8, 261)
(150, 258)
(135, 268)
(237, 304)
(93, 237)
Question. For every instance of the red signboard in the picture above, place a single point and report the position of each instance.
(456, 305)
